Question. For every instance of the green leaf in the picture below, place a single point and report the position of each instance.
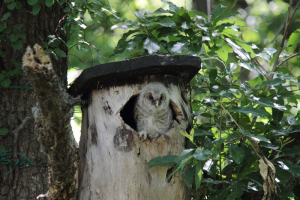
(282, 175)
(217, 11)
(270, 51)
(283, 191)
(70, 42)
(134, 43)
(273, 82)
(277, 114)
(198, 178)
(12, 5)
(200, 132)
(268, 103)
(32, 2)
(255, 81)
(17, 26)
(189, 177)
(5, 16)
(167, 23)
(250, 110)
(258, 137)
(172, 6)
(151, 45)
(213, 75)
(292, 168)
(291, 151)
(2, 149)
(238, 50)
(293, 41)
(60, 52)
(5, 83)
(223, 194)
(49, 3)
(13, 38)
(236, 152)
(36, 9)
(236, 190)
(162, 161)
(184, 154)
(179, 47)
(16, 45)
(221, 13)
(194, 49)
(202, 155)
(264, 56)
(179, 166)
(184, 25)
(3, 131)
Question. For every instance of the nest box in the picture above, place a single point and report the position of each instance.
(113, 158)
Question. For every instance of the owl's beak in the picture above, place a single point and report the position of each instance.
(156, 103)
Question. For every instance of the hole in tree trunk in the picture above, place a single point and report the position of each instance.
(169, 171)
(127, 112)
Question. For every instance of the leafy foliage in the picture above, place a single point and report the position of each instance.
(236, 122)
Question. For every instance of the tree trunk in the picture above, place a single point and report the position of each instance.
(203, 6)
(17, 103)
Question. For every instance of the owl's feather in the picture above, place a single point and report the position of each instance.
(152, 112)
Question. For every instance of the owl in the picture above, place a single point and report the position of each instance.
(152, 111)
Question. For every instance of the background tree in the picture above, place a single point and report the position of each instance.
(24, 23)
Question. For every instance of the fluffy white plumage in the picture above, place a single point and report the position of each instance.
(152, 112)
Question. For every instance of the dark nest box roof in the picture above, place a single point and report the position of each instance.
(131, 71)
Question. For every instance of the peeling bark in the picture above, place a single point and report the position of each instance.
(52, 115)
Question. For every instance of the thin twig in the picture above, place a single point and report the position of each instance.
(276, 35)
(287, 24)
(291, 56)
(289, 19)
(252, 142)
(220, 154)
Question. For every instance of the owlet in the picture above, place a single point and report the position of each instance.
(152, 112)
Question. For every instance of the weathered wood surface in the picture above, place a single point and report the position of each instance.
(113, 159)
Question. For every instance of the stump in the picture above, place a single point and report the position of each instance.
(113, 158)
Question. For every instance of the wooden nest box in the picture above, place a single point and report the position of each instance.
(113, 157)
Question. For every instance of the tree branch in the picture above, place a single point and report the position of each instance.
(289, 19)
(291, 56)
(52, 116)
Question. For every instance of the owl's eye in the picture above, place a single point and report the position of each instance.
(161, 97)
(150, 97)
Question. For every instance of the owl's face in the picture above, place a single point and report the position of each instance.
(155, 99)
(155, 96)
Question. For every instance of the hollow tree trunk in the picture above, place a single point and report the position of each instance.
(16, 103)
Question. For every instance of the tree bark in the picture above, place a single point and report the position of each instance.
(16, 103)
(52, 115)
(203, 6)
